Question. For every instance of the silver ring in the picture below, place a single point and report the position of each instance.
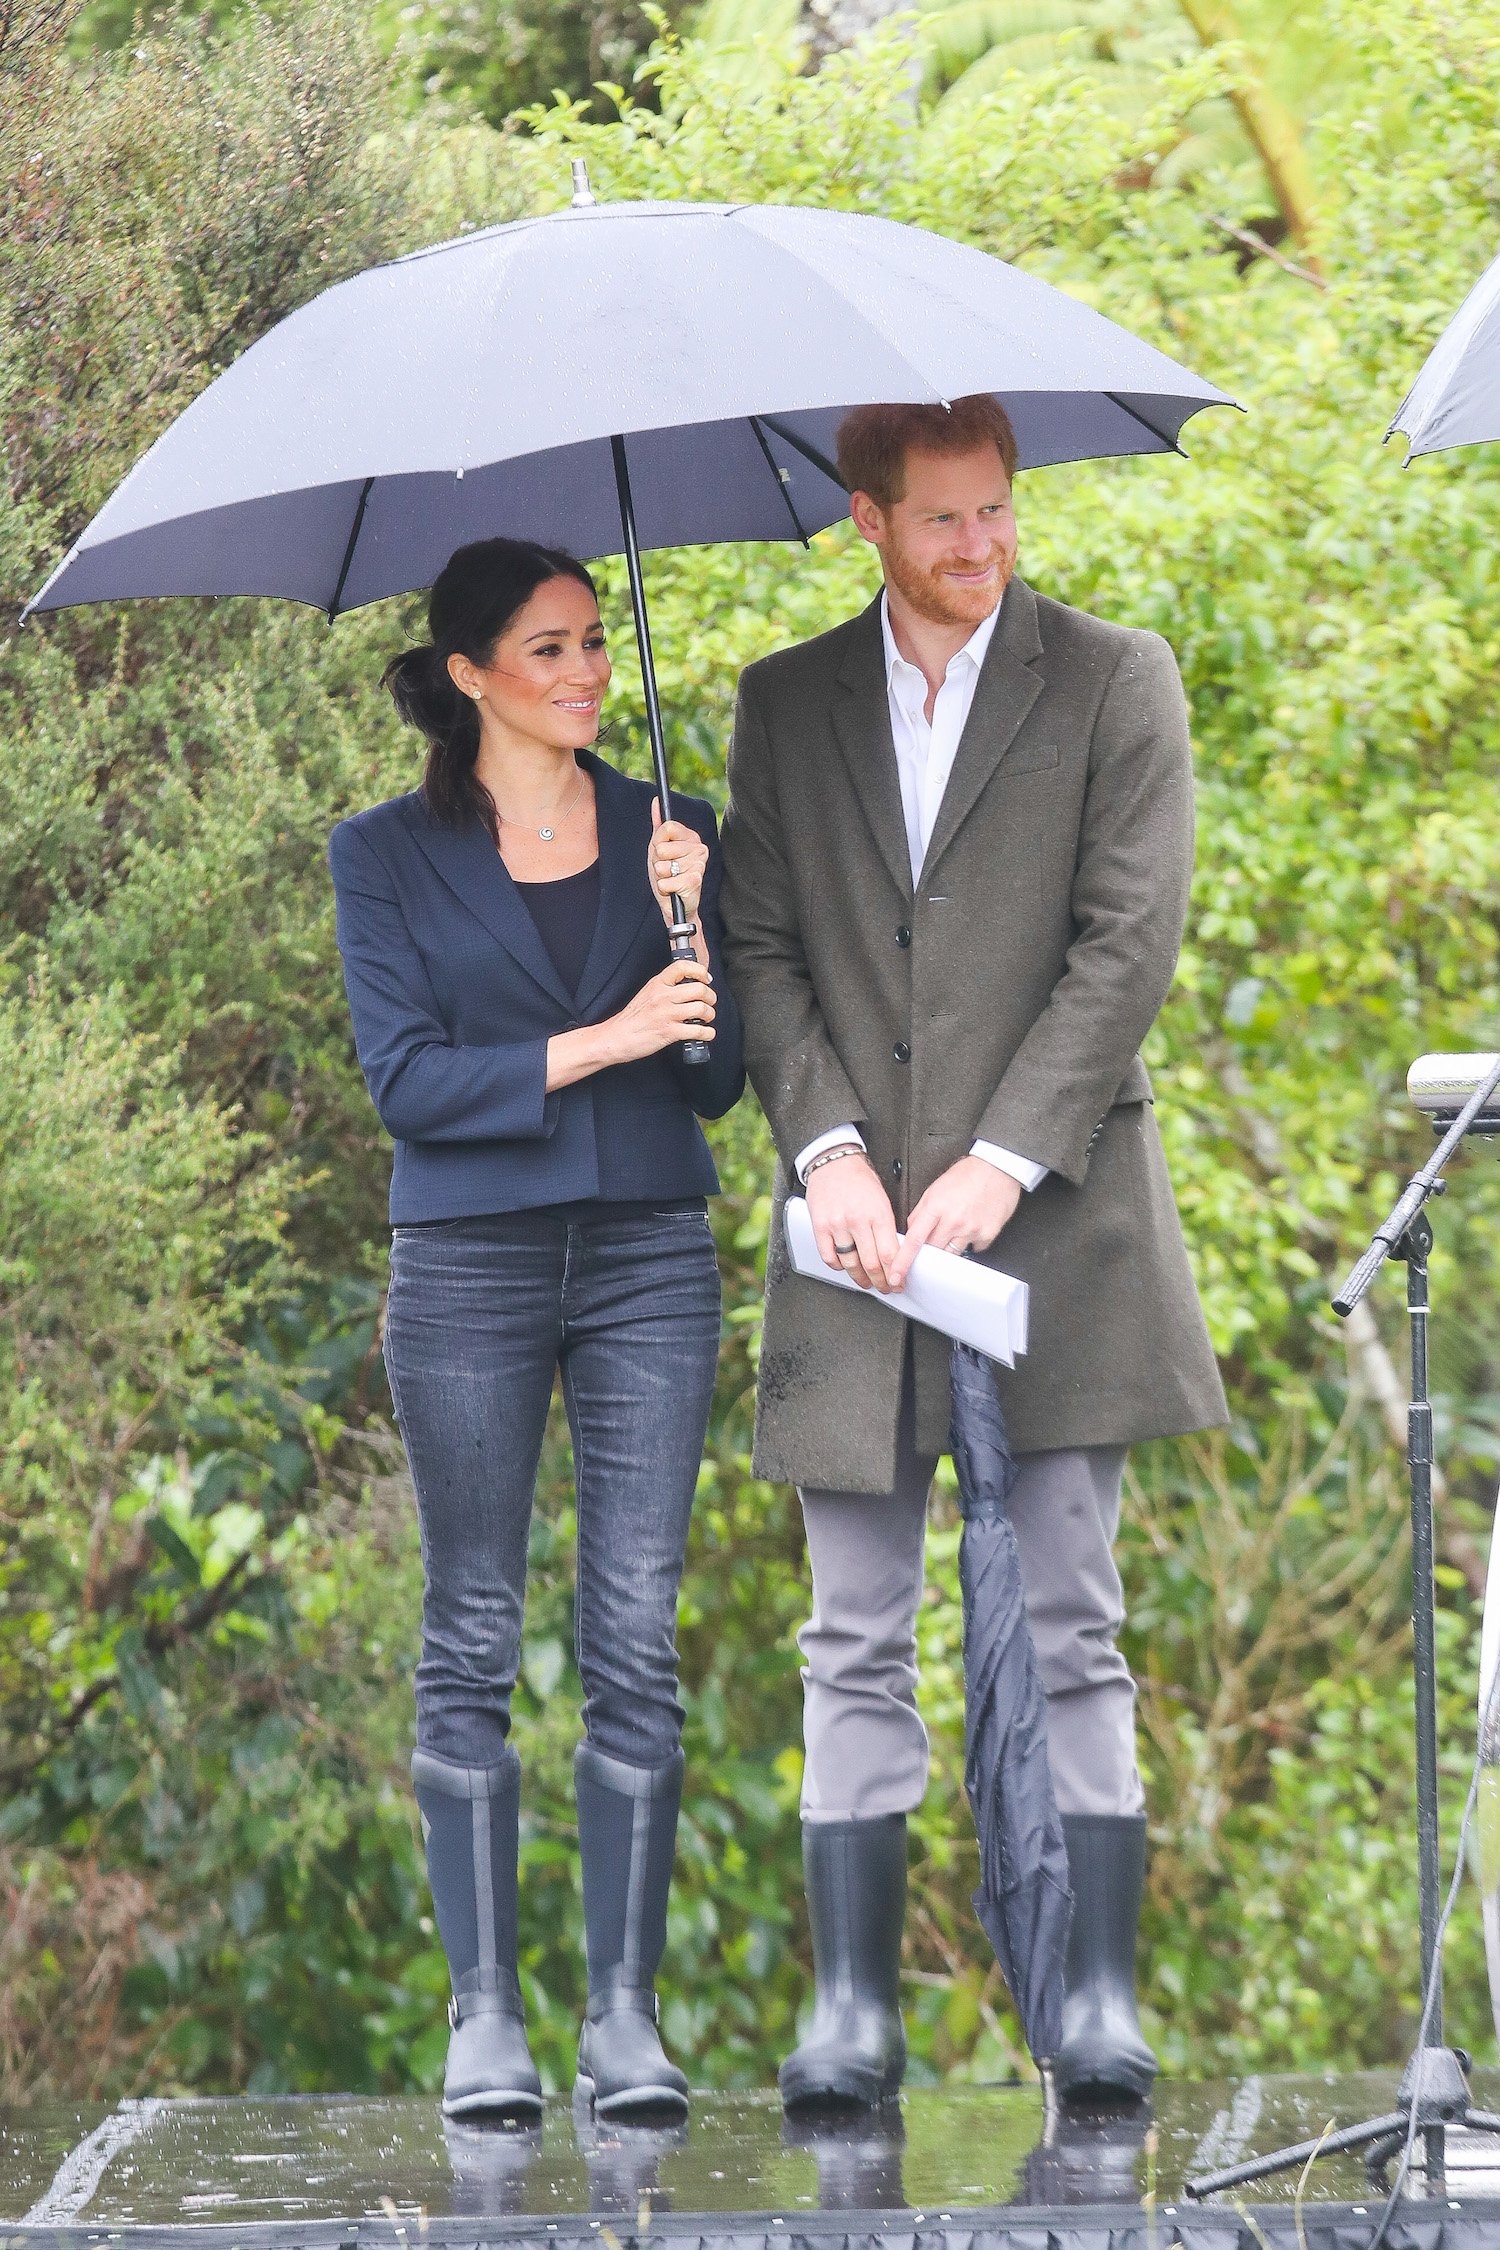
(673, 868)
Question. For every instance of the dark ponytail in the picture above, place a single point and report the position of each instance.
(474, 597)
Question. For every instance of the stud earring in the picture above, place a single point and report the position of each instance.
(478, 694)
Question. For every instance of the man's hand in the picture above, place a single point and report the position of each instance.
(851, 1212)
(964, 1209)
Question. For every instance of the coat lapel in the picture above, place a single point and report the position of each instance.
(1006, 689)
(476, 874)
(862, 728)
(624, 818)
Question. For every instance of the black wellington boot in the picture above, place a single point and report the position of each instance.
(627, 1839)
(855, 2051)
(1103, 2061)
(469, 1820)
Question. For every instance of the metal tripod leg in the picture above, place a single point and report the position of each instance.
(1471, 2121)
(1289, 2159)
(1435, 2085)
(1379, 2154)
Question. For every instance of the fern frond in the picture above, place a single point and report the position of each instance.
(956, 33)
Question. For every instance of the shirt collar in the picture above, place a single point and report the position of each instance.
(974, 647)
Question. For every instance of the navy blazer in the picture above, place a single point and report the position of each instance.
(454, 998)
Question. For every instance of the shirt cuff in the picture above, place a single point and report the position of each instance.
(841, 1136)
(1020, 1168)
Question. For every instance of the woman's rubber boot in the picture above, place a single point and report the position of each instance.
(470, 1818)
(1103, 2061)
(855, 2052)
(627, 1840)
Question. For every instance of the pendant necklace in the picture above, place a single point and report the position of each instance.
(556, 820)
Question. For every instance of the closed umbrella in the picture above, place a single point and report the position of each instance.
(1023, 1900)
(1456, 398)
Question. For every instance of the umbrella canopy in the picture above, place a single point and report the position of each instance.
(1456, 398)
(482, 386)
(608, 378)
(1023, 1899)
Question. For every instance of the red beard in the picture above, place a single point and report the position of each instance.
(937, 598)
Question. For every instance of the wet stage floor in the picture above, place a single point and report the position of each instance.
(291, 2162)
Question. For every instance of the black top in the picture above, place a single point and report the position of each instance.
(565, 912)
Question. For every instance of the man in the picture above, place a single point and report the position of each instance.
(957, 854)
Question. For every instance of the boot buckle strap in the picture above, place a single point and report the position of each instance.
(619, 1998)
(492, 1994)
(479, 2004)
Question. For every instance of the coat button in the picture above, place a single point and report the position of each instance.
(896, 1167)
(903, 935)
(901, 1051)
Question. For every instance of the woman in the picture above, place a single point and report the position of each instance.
(519, 1021)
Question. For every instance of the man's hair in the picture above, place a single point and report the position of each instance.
(873, 441)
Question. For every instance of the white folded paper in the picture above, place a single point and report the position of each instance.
(957, 1296)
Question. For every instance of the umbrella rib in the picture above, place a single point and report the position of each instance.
(354, 530)
(774, 423)
(781, 485)
(1160, 435)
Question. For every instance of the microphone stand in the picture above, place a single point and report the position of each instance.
(1434, 2090)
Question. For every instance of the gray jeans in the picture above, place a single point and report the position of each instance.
(483, 1313)
(866, 1745)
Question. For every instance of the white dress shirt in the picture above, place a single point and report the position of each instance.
(925, 751)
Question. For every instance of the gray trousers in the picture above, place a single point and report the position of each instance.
(867, 1750)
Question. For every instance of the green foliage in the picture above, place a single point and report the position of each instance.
(209, 1580)
(1244, 133)
(482, 58)
(214, 189)
(495, 55)
(1042, 167)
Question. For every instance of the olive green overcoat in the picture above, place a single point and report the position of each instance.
(1004, 997)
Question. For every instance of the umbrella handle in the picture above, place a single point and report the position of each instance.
(692, 1050)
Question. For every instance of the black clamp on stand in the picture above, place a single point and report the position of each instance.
(1434, 2090)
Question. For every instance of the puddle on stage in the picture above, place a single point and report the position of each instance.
(945, 2149)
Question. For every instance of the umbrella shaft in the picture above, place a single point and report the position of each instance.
(693, 1050)
(642, 627)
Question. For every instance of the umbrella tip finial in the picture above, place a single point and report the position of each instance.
(584, 197)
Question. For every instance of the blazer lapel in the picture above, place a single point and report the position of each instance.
(862, 728)
(624, 819)
(476, 874)
(1006, 689)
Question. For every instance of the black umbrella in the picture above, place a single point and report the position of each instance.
(1023, 1899)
